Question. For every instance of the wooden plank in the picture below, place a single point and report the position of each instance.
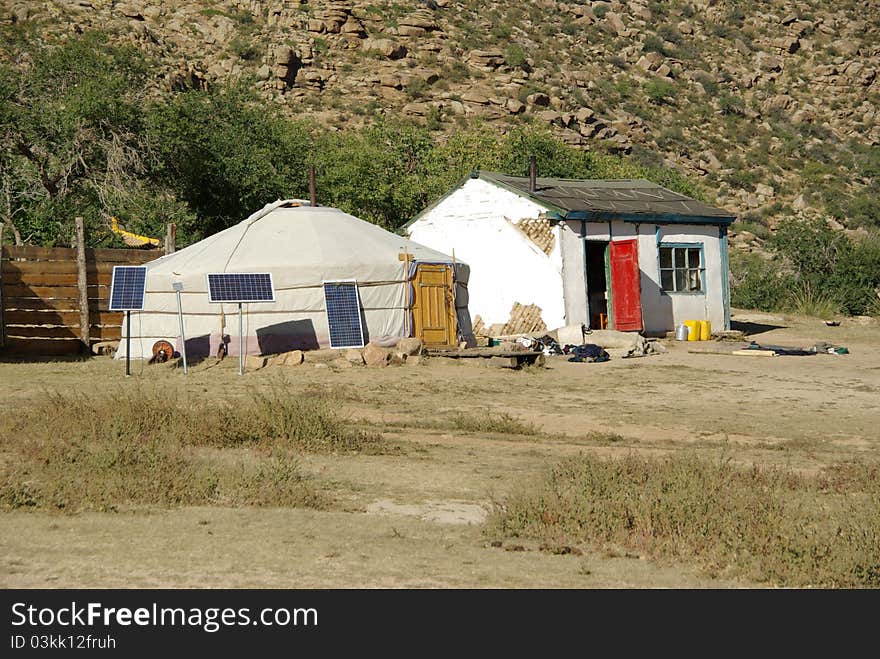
(38, 253)
(56, 279)
(2, 318)
(48, 347)
(55, 304)
(753, 353)
(123, 256)
(99, 255)
(45, 332)
(82, 284)
(71, 292)
(503, 362)
(51, 267)
(51, 317)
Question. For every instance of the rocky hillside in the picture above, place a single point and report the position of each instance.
(773, 106)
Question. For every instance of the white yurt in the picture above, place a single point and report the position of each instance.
(405, 289)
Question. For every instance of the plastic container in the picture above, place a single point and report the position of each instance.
(681, 333)
(693, 329)
(705, 330)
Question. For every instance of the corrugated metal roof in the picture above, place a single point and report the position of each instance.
(629, 198)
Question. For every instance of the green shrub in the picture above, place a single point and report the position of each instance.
(514, 55)
(659, 91)
(756, 283)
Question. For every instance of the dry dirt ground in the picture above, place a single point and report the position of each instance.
(414, 519)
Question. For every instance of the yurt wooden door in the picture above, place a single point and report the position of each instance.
(434, 305)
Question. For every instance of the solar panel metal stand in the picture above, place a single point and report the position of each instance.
(240, 342)
(178, 287)
(128, 344)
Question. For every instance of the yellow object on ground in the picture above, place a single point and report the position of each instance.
(132, 239)
(693, 329)
(705, 330)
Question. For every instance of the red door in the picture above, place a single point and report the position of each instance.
(626, 298)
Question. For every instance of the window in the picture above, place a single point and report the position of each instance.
(681, 268)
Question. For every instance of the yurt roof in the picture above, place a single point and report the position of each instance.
(292, 234)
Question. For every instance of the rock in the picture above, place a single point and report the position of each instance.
(424, 22)
(341, 362)
(550, 116)
(515, 106)
(385, 47)
(410, 346)
(664, 71)
(105, 347)
(283, 55)
(613, 23)
(264, 72)
(764, 190)
(538, 99)
(354, 356)
(475, 97)
(254, 362)
(486, 59)
(397, 358)
(292, 358)
(799, 203)
(769, 62)
(376, 356)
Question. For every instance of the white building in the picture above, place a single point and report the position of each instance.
(623, 254)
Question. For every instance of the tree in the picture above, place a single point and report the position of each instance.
(225, 155)
(71, 136)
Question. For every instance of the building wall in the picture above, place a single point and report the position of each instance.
(663, 311)
(476, 223)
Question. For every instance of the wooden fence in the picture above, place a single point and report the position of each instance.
(40, 297)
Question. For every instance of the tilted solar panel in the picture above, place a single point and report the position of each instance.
(127, 287)
(241, 287)
(344, 314)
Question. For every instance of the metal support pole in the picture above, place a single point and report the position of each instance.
(240, 341)
(127, 343)
(182, 335)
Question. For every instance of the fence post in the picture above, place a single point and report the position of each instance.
(82, 284)
(2, 306)
(171, 238)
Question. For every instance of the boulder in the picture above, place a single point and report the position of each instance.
(376, 355)
(385, 47)
(410, 346)
(354, 356)
(254, 362)
(292, 358)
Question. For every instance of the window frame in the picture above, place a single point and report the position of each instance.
(686, 268)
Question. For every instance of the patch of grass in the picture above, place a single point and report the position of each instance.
(492, 422)
(770, 525)
(805, 300)
(73, 451)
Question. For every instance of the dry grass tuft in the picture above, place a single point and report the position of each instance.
(72, 451)
(769, 525)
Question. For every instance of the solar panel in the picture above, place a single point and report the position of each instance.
(344, 314)
(127, 287)
(241, 287)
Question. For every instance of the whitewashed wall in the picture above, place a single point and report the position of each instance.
(506, 267)
(663, 311)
